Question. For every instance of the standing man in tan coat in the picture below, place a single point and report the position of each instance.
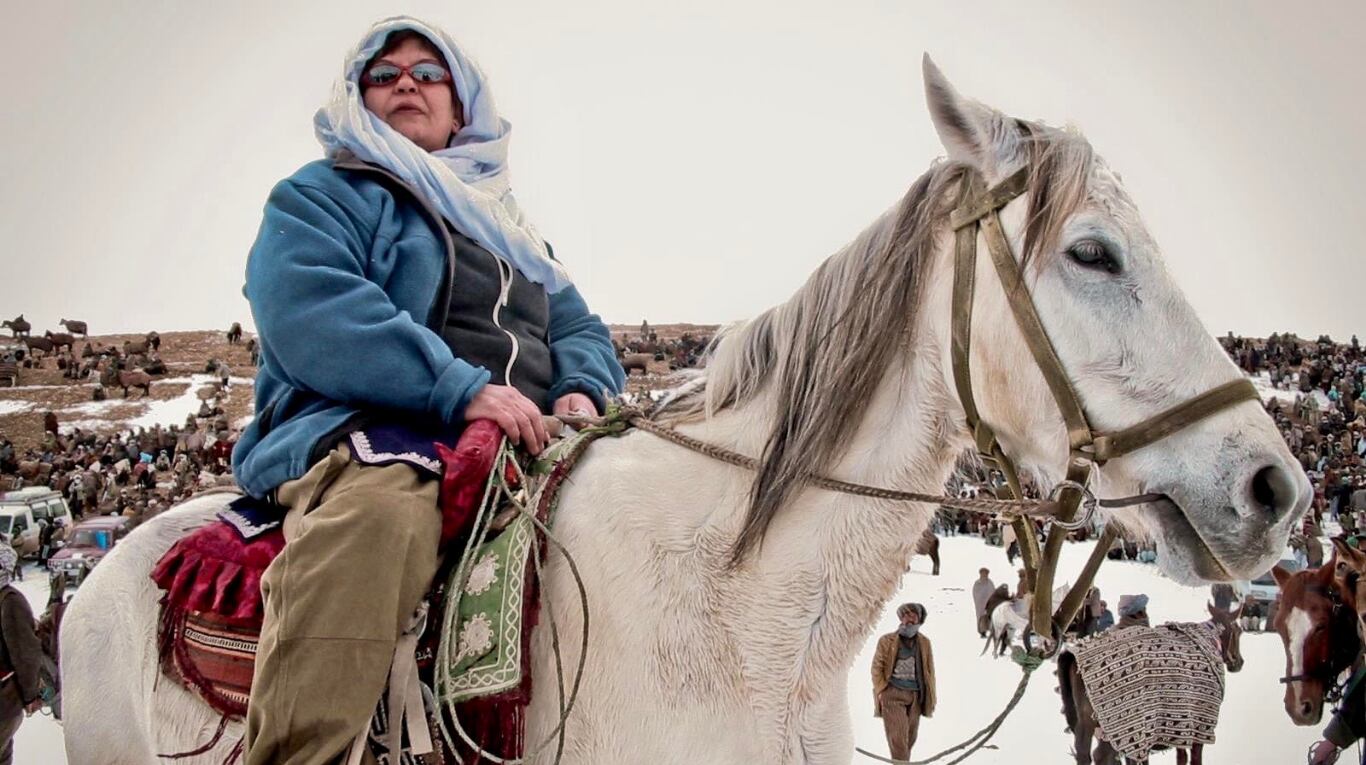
(903, 680)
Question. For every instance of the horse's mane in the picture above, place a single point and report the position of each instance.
(824, 352)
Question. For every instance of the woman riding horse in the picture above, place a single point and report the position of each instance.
(397, 288)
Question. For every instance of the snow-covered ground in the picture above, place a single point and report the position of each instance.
(165, 412)
(1262, 381)
(39, 740)
(1253, 727)
(10, 406)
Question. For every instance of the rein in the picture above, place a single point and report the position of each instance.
(1010, 508)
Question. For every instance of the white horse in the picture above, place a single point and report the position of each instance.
(705, 649)
(1011, 618)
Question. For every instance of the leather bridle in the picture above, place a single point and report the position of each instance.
(1340, 656)
(980, 212)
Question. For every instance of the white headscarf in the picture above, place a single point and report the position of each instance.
(468, 181)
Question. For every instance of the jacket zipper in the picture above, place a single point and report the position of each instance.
(504, 291)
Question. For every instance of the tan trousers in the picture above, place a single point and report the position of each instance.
(360, 552)
(900, 720)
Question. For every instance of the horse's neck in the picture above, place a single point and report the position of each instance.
(856, 548)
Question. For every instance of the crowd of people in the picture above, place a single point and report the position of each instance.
(136, 473)
(1322, 416)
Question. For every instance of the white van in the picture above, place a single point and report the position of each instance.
(21, 510)
(1264, 589)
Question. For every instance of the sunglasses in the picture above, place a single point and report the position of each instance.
(385, 74)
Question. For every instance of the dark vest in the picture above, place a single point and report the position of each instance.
(481, 332)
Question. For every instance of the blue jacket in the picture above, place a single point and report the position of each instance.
(349, 283)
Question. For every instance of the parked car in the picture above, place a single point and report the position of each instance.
(21, 510)
(1264, 589)
(86, 546)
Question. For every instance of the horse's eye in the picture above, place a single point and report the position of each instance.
(1090, 253)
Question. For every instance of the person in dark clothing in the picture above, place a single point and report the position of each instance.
(46, 532)
(1347, 726)
(20, 657)
(1106, 619)
(1223, 595)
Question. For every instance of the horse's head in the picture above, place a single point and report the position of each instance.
(1320, 637)
(1349, 566)
(1230, 636)
(1127, 344)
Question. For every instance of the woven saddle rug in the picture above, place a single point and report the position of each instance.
(479, 613)
(1154, 687)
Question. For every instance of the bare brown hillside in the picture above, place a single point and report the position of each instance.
(43, 388)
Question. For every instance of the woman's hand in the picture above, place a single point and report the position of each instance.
(519, 418)
(576, 403)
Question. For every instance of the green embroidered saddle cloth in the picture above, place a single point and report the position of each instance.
(491, 600)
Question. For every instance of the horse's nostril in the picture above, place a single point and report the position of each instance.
(1306, 708)
(1273, 490)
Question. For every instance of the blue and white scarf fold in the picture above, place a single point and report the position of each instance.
(468, 181)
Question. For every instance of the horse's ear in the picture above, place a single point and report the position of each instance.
(1354, 557)
(972, 133)
(1340, 546)
(1280, 575)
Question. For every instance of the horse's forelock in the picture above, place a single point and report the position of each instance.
(824, 352)
(1060, 165)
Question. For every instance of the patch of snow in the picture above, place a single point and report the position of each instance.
(11, 406)
(94, 407)
(173, 411)
(66, 428)
(1262, 382)
(167, 412)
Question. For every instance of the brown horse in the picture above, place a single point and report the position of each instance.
(1318, 628)
(929, 545)
(76, 327)
(131, 348)
(18, 326)
(1081, 715)
(39, 344)
(639, 361)
(235, 333)
(35, 472)
(1351, 565)
(115, 376)
(60, 339)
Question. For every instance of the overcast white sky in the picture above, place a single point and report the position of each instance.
(689, 161)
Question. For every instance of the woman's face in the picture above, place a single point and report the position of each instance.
(425, 113)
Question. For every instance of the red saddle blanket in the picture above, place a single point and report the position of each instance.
(212, 609)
